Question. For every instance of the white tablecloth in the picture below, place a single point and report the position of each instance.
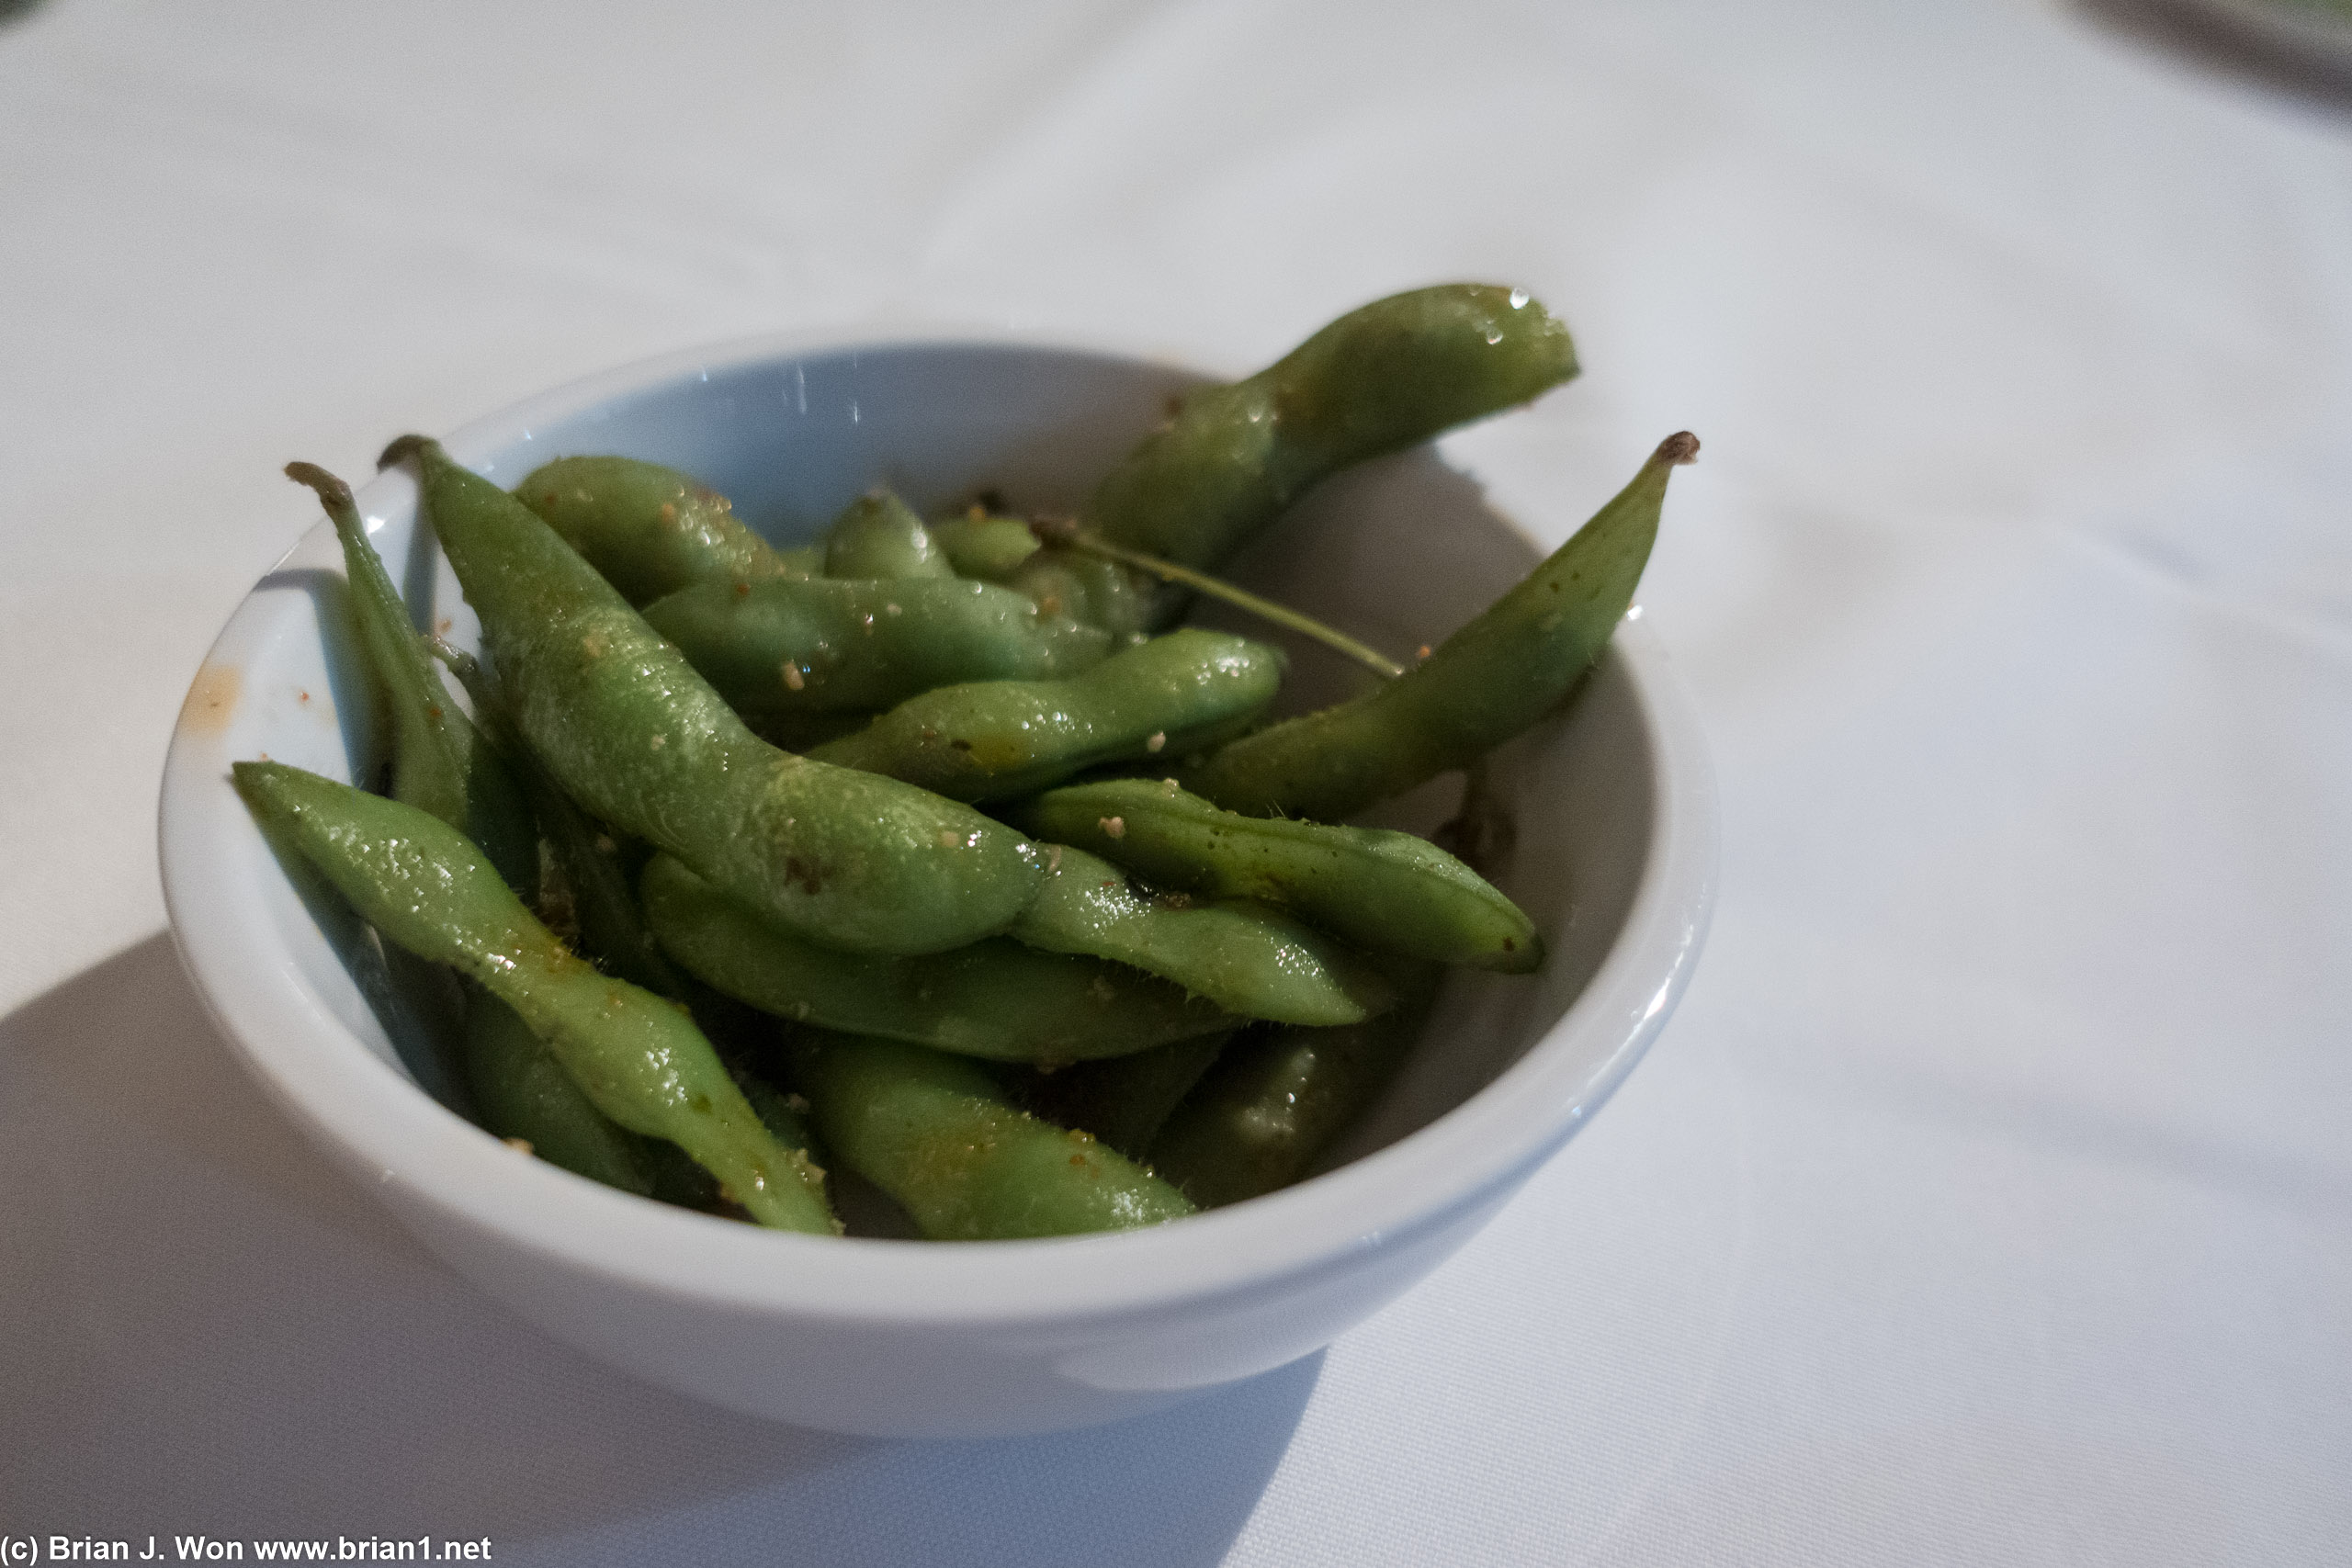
(1990, 1198)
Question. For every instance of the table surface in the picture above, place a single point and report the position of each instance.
(1988, 1201)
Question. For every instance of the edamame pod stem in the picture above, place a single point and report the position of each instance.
(937, 1133)
(650, 530)
(877, 537)
(440, 762)
(988, 741)
(995, 999)
(1378, 379)
(1495, 677)
(622, 722)
(1276, 1100)
(1124, 1100)
(1250, 960)
(640, 1060)
(1385, 891)
(782, 650)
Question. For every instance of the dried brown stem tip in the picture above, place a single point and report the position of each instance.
(332, 491)
(1680, 447)
(402, 447)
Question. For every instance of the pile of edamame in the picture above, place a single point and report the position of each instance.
(939, 852)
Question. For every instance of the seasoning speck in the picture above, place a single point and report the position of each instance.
(1115, 826)
(1158, 738)
(792, 676)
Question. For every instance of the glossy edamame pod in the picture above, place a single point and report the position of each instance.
(1124, 1100)
(937, 1133)
(877, 536)
(1385, 891)
(1250, 960)
(979, 546)
(1495, 677)
(440, 761)
(622, 722)
(987, 740)
(597, 888)
(650, 530)
(1378, 379)
(1276, 1099)
(783, 649)
(1090, 590)
(640, 1060)
(525, 1093)
(994, 998)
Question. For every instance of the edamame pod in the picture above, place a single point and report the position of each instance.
(783, 649)
(1389, 892)
(640, 1060)
(1275, 1100)
(650, 530)
(525, 1093)
(1495, 677)
(1250, 960)
(978, 545)
(877, 537)
(938, 1135)
(994, 998)
(440, 761)
(622, 722)
(1124, 1100)
(987, 740)
(1091, 589)
(1378, 379)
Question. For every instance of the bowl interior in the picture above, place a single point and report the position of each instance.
(1400, 552)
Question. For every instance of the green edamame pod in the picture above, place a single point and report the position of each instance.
(1495, 677)
(1276, 1100)
(877, 535)
(786, 649)
(1124, 1100)
(938, 1135)
(1090, 590)
(525, 1093)
(639, 1060)
(978, 545)
(1378, 379)
(622, 722)
(1389, 892)
(650, 530)
(987, 740)
(994, 998)
(1250, 960)
(440, 761)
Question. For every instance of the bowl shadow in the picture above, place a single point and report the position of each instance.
(205, 1327)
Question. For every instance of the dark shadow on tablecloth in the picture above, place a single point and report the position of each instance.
(205, 1328)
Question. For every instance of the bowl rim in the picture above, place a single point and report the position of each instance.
(385, 1129)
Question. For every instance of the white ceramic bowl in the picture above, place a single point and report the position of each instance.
(1615, 861)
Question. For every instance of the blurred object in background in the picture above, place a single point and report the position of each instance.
(2304, 46)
